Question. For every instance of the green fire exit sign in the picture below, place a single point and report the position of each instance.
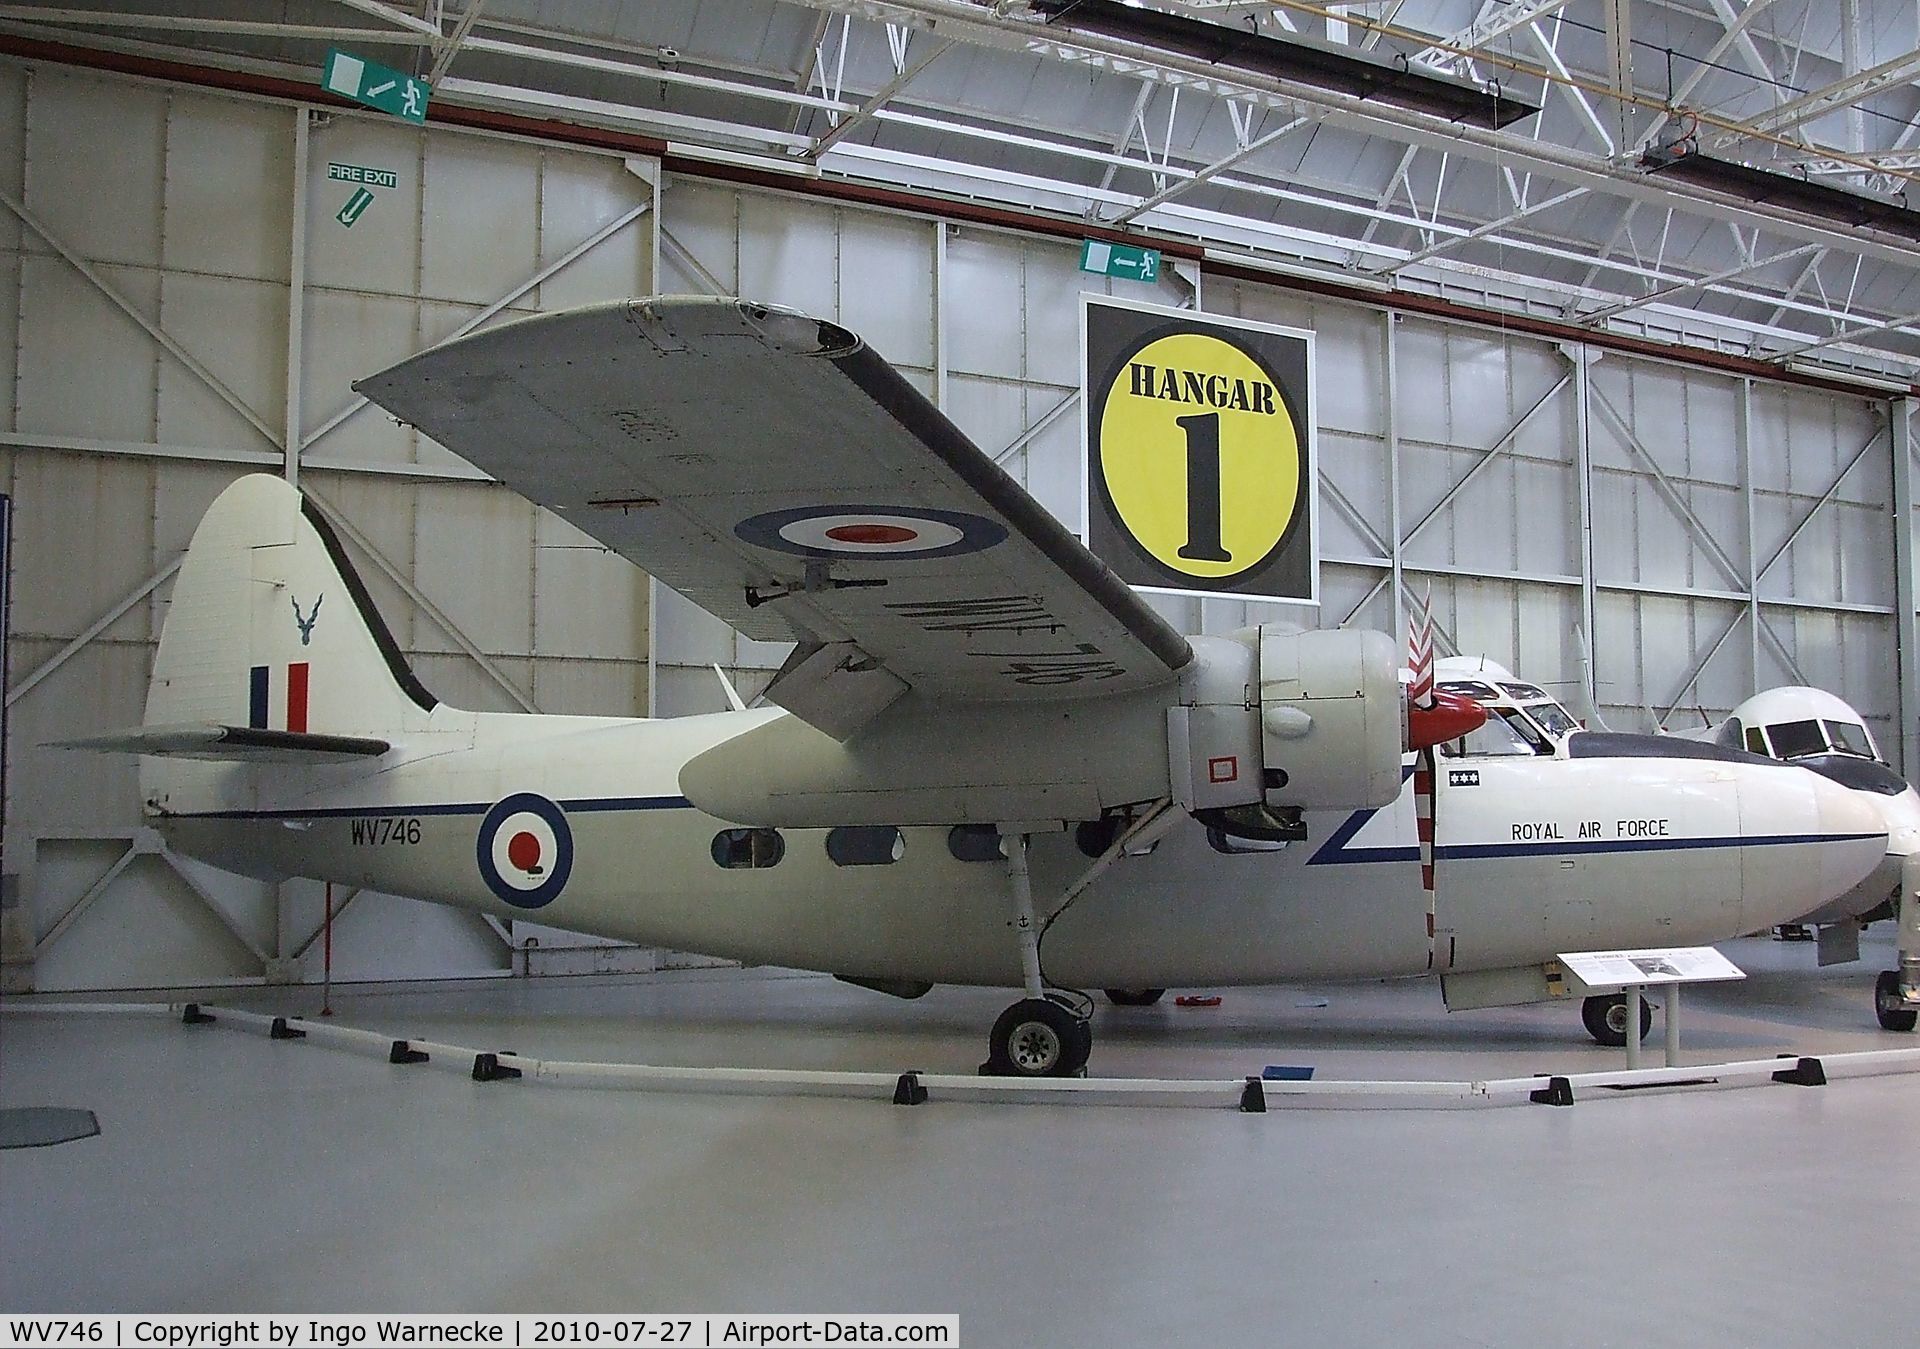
(1105, 259)
(375, 85)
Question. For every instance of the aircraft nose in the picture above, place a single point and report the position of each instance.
(1807, 840)
(1858, 830)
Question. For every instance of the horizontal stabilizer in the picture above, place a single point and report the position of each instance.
(235, 744)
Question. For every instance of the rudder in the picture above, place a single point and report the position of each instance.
(270, 627)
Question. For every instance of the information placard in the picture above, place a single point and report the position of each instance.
(1666, 965)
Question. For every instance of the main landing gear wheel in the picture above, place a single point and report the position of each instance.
(1888, 1005)
(1135, 997)
(1037, 1037)
(1606, 1018)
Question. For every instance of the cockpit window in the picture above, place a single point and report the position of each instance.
(1524, 693)
(1552, 716)
(1495, 737)
(1791, 739)
(1757, 741)
(1470, 688)
(1526, 730)
(1849, 738)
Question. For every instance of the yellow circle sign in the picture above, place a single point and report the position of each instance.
(1199, 455)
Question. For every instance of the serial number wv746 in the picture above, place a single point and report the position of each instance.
(381, 830)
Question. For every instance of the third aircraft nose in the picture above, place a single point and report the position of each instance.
(1858, 830)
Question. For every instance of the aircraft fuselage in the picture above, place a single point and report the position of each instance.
(1535, 856)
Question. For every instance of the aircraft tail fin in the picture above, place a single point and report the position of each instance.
(271, 629)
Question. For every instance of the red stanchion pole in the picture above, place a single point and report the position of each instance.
(326, 957)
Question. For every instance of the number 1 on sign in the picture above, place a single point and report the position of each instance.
(1203, 488)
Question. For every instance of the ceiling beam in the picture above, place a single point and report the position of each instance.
(394, 15)
(1842, 93)
(1735, 30)
(98, 18)
(1599, 316)
(881, 97)
(1482, 231)
(451, 48)
(1450, 53)
(1201, 175)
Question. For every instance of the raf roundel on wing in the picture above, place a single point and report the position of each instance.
(871, 531)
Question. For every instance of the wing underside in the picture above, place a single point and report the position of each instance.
(784, 477)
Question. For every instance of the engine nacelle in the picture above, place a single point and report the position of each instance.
(1332, 719)
(1304, 720)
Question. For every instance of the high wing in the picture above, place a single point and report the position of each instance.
(780, 474)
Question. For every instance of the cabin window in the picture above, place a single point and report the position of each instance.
(865, 845)
(975, 843)
(750, 848)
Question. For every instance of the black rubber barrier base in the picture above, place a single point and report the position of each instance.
(488, 1068)
(1805, 1073)
(1558, 1091)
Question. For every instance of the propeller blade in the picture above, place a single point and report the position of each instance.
(1420, 651)
(1423, 771)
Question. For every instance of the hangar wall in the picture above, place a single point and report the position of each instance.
(1714, 534)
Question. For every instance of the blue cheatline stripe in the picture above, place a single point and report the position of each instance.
(1483, 850)
(1331, 852)
(1334, 852)
(371, 812)
(257, 699)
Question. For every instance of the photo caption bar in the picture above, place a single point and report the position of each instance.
(513, 1332)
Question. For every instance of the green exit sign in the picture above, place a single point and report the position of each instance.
(375, 85)
(360, 173)
(1105, 259)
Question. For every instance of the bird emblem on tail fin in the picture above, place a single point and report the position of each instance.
(306, 624)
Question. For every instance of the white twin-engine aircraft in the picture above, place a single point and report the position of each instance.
(1817, 731)
(1807, 727)
(987, 761)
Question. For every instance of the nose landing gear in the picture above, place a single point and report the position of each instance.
(1605, 1015)
(1896, 993)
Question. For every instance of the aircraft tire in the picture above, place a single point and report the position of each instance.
(1135, 997)
(1605, 1016)
(1893, 1013)
(1037, 1037)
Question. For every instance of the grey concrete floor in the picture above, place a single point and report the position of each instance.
(233, 1173)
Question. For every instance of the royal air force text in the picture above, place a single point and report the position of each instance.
(1552, 831)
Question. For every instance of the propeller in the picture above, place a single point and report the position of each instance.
(1432, 719)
